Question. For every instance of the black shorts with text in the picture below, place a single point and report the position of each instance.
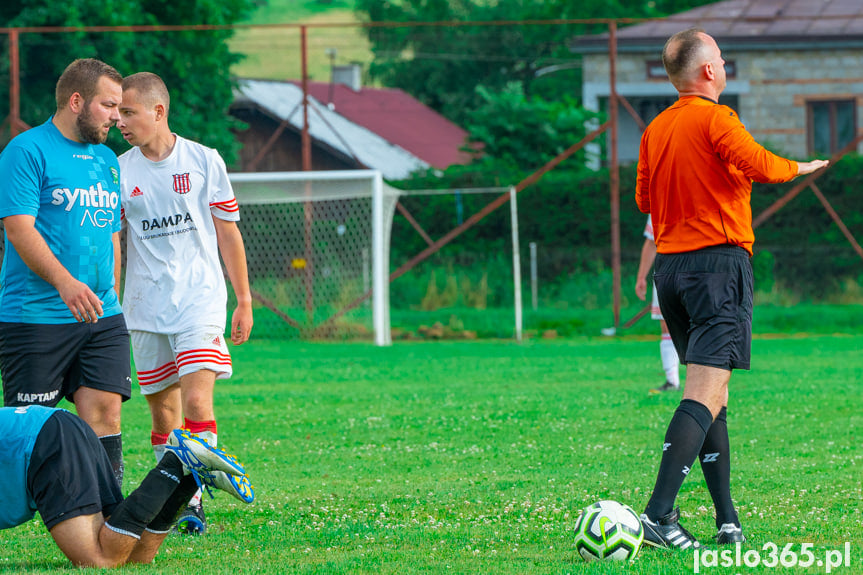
(43, 363)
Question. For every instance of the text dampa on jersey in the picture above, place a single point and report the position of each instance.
(166, 221)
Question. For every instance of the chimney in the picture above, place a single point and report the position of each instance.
(350, 75)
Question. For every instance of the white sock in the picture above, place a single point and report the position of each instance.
(159, 451)
(670, 362)
(212, 439)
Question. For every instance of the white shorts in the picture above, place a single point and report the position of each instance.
(655, 312)
(161, 359)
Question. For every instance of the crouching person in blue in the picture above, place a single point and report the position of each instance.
(52, 462)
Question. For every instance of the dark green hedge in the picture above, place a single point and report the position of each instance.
(567, 213)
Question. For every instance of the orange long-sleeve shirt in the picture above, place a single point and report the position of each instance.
(696, 166)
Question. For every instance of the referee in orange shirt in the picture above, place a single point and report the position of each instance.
(695, 171)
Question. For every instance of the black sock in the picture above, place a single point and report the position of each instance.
(683, 440)
(113, 445)
(715, 459)
(178, 500)
(145, 503)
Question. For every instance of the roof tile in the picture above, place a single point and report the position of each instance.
(399, 118)
(781, 20)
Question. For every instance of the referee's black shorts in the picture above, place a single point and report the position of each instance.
(706, 300)
(69, 473)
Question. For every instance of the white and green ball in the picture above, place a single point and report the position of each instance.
(608, 530)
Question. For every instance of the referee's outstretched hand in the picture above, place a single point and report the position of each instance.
(809, 167)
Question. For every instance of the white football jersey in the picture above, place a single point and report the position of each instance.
(174, 277)
(648, 229)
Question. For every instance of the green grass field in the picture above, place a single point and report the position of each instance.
(571, 321)
(475, 457)
(274, 53)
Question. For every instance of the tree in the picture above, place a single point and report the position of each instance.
(194, 64)
(510, 152)
(442, 65)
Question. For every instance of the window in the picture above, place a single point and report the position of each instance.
(832, 125)
(656, 71)
(647, 108)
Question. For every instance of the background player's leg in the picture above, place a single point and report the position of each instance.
(197, 392)
(670, 361)
(667, 351)
(166, 415)
(166, 412)
(157, 375)
(199, 418)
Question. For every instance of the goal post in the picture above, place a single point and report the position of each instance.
(315, 241)
(381, 226)
(318, 248)
(465, 221)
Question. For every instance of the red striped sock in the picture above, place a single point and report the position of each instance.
(158, 438)
(200, 426)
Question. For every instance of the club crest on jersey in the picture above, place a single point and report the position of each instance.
(182, 183)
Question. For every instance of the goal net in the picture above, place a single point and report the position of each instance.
(458, 250)
(317, 245)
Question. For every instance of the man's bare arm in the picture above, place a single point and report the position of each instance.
(34, 251)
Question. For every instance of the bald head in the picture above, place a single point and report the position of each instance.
(685, 53)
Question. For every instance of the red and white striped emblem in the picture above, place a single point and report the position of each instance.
(182, 184)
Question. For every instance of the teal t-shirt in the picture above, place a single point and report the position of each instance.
(19, 428)
(73, 190)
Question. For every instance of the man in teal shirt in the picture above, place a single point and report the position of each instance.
(62, 331)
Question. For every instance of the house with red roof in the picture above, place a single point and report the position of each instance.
(794, 71)
(351, 127)
(394, 115)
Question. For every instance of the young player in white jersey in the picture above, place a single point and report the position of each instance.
(670, 361)
(180, 214)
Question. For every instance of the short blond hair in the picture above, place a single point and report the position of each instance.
(82, 76)
(150, 87)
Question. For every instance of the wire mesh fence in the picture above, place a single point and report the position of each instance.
(517, 65)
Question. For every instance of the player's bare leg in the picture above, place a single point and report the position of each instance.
(88, 543)
(101, 410)
(708, 386)
(197, 395)
(145, 549)
(199, 418)
(166, 409)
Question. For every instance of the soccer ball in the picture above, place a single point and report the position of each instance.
(608, 530)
